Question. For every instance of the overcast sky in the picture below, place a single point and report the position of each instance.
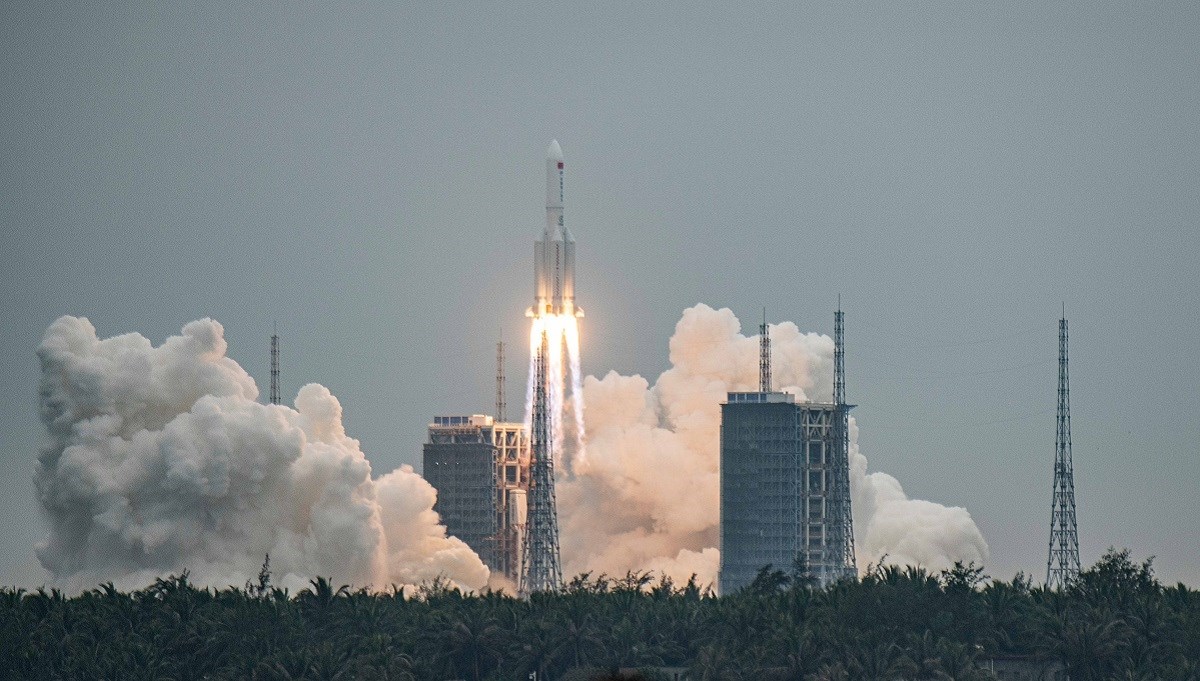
(372, 180)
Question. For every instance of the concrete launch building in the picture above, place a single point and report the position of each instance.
(480, 468)
(785, 489)
(776, 487)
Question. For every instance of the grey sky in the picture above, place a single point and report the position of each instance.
(371, 180)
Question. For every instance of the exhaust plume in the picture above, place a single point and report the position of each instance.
(160, 459)
(562, 334)
(647, 495)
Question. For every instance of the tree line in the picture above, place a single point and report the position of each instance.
(1115, 621)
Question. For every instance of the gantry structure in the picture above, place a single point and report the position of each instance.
(541, 567)
(841, 520)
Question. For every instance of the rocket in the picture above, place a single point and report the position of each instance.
(554, 253)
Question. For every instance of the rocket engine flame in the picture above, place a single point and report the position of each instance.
(562, 331)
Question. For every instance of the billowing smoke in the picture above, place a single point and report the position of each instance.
(647, 496)
(160, 459)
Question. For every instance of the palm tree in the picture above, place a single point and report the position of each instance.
(878, 659)
(321, 592)
(471, 644)
(715, 663)
(574, 641)
(1008, 607)
(1090, 646)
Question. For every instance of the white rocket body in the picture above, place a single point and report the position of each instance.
(554, 253)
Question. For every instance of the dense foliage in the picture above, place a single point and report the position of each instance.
(1115, 621)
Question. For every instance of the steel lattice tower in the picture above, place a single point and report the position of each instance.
(274, 367)
(1063, 564)
(541, 567)
(764, 356)
(841, 518)
(501, 403)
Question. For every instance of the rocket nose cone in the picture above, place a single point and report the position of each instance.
(554, 152)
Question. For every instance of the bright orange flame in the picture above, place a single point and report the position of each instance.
(562, 362)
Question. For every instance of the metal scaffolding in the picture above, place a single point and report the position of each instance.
(1062, 566)
(541, 564)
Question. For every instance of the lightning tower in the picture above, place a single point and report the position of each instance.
(541, 566)
(501, 402)
(274, 367)
(841, 519)
(764, 356)
(1062, 566)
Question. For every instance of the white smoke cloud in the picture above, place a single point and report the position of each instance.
(647, 496)
(160, 459)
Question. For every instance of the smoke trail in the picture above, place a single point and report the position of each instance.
(535, 342)
(555, 376)
(647, 496)
(161, 459)
(572, 338)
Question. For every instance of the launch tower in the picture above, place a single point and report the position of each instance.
(1063, 564)
(841, 520)
(541, 566)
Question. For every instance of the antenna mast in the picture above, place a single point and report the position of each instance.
(274, 365)
(764, 356)
(1062, 567)
(839, 356)
(501, 406)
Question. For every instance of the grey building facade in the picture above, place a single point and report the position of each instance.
(480, 468)
(780, 488)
